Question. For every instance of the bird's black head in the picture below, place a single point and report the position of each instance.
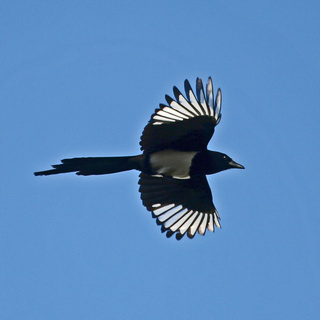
(209, 162)
(220, 161)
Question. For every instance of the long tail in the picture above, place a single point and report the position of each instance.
(94, 166)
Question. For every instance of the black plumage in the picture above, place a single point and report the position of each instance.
(174, 162)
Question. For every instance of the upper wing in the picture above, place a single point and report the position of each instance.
(186, 124)
(180, 205)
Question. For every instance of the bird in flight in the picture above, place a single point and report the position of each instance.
(174, 162)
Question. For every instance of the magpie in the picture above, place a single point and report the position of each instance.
(174, 162)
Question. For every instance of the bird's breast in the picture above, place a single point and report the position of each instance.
(172, 163)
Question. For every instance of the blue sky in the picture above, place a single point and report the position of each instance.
(82, 78)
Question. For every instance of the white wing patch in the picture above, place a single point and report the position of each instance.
(176, 218)
(201, 104)
(209, 97)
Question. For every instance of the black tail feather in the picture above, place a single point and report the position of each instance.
(94, 166)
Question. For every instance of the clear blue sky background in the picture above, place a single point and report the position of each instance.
(81, 78)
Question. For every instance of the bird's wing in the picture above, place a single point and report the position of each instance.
(186, 123)
(180, 205)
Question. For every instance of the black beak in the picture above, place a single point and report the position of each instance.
(233, 164)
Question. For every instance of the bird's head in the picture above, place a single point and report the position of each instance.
(220, 162)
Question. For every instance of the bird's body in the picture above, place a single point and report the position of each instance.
(174, 162)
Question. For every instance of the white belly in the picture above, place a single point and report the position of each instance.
(172, 163)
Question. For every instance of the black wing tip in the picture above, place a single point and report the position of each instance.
(176, 90)
(199, 82)
(176, 93)
(187, 85)
(169, 233)
(179, 235)
(168, 99)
